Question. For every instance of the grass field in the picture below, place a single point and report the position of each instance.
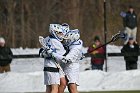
(112, 92)
(135, 91)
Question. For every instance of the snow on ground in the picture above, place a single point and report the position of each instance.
(26, 51)
(99, 80)
(89, 81)
(22, 82)
(27, 74)
(113, 49)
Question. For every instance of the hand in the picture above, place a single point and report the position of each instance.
(95, 52)
(45, 54)
(82, 57)
(64, 60)
(49, 51)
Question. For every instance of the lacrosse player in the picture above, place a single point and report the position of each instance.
(74, 53)
(52, 58)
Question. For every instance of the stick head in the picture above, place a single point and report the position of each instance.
(115, 37)
(42, 42)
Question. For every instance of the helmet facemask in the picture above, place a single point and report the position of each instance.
(56, 31)
(59, 35)
(72, 36)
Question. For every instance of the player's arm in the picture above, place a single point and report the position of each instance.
(75, 52)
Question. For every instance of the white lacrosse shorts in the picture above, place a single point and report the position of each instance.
(51, 78)
(72, 75)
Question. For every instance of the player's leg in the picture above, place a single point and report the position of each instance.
(48, 89)
(72, 87)
(54, 88)
(63, 84)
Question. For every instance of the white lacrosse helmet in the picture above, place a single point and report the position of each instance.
(56, 31)
(72, 35)
(65, 28)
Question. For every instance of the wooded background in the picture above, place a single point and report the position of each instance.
(22, 21)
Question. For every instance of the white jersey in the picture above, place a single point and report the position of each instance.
(57, 48)
(75, 54)
(72, 70)
(75, 51)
